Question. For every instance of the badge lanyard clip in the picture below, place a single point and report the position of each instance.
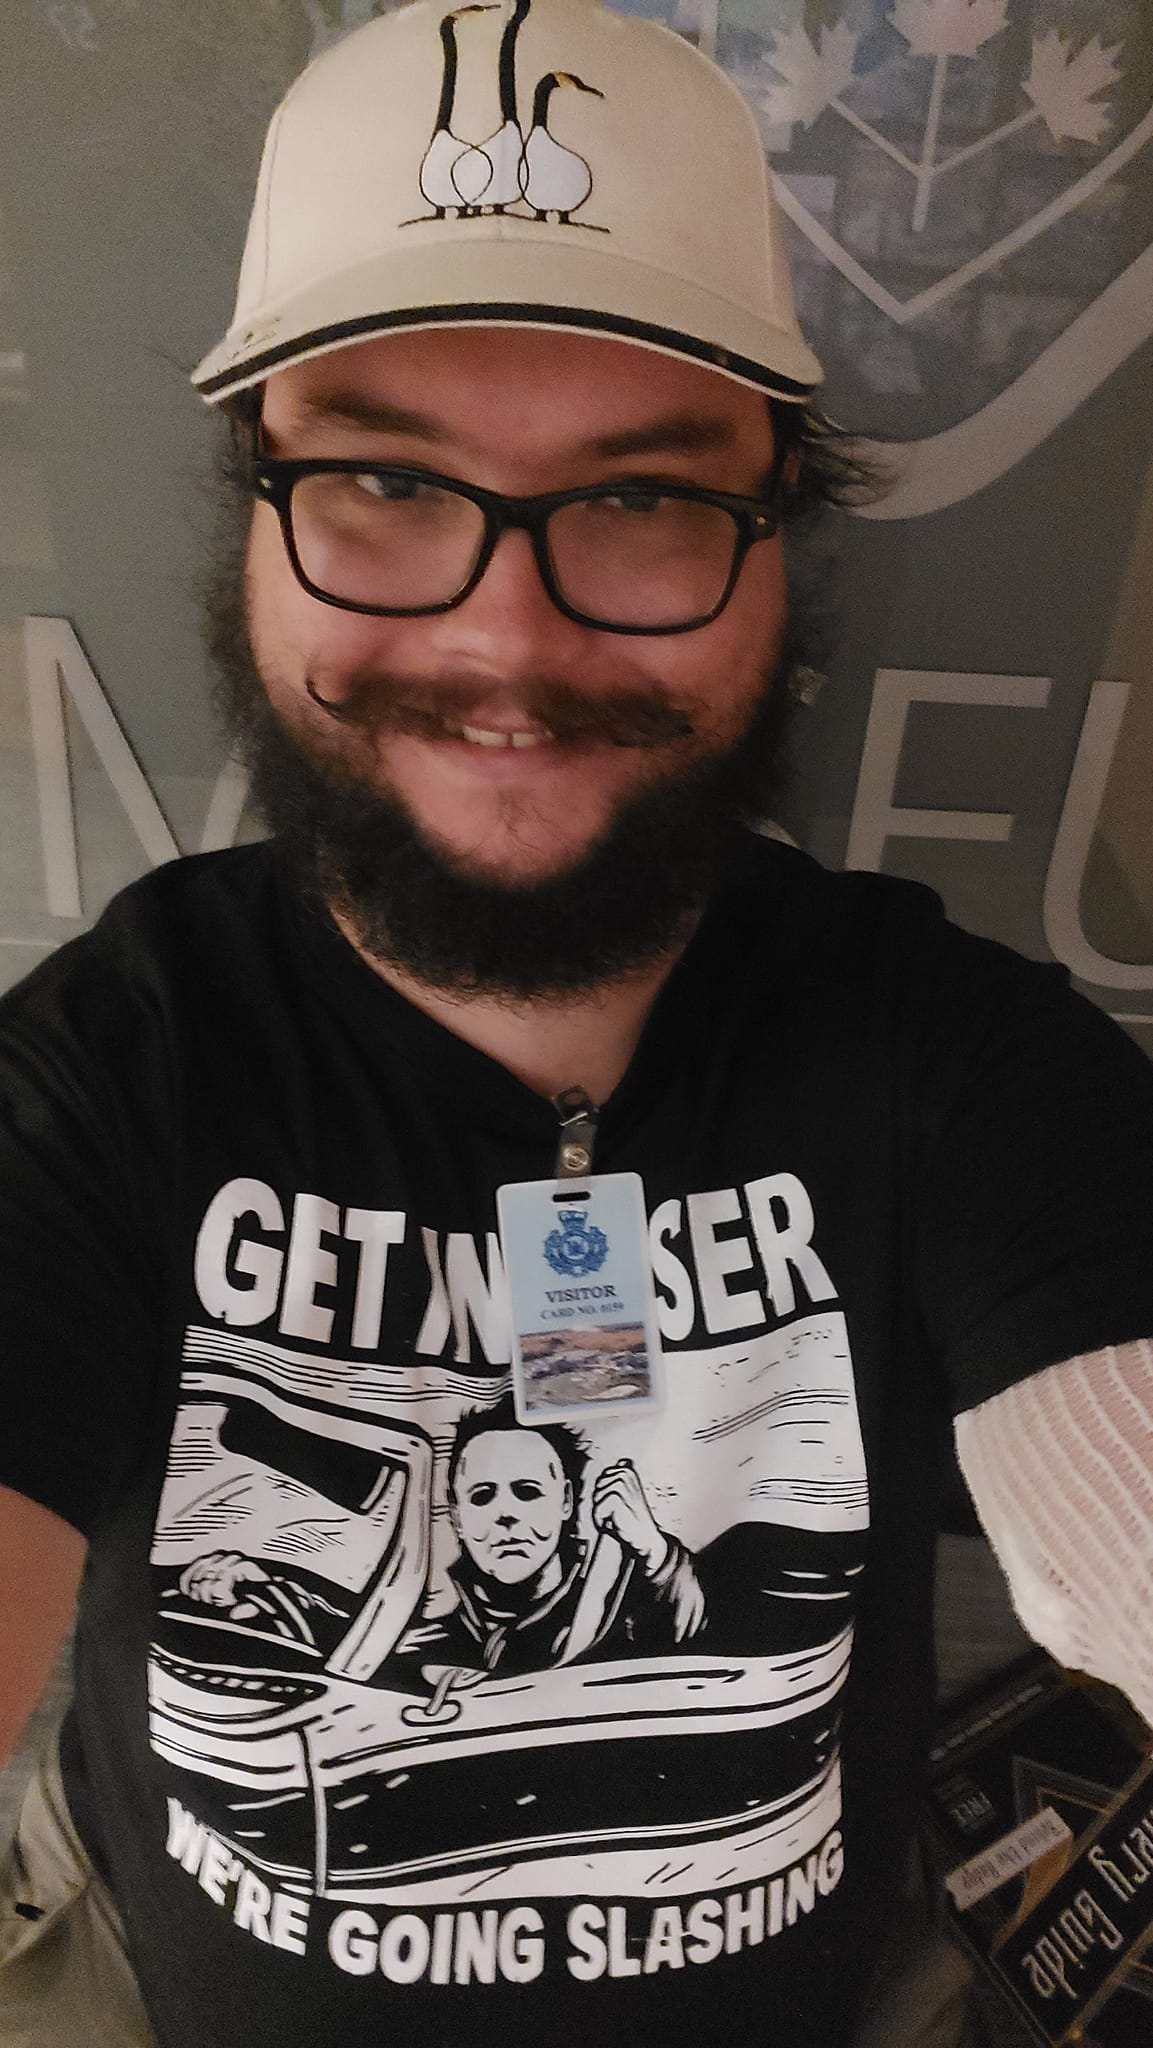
(578, 1133)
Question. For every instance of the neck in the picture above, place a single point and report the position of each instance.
(583, 1040)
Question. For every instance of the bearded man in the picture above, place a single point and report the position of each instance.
(520, 413)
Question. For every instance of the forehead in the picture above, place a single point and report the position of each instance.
(507, 1453)
(515, 388)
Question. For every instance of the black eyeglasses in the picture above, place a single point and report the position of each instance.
(628, 557)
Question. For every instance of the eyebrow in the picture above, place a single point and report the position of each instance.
(349, 408)
(678, 433)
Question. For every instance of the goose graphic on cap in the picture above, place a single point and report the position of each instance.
(689, 258)
(554, 179)
(504, 149)
(448, 179)
(461, 179)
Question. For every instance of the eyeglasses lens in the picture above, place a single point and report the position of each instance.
(384, 540)
(639, 559)
(633, 558)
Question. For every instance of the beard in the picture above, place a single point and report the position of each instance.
(627, 901)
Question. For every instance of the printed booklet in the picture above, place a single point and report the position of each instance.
(1042, 1803)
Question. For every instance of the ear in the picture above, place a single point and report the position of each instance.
(569, 1501)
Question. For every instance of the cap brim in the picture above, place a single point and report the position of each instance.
(510, 282)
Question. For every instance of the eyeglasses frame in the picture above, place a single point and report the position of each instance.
(273, 478)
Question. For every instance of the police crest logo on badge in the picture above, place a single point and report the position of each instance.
(576, 1247)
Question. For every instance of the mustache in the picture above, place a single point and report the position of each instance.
(436, 710)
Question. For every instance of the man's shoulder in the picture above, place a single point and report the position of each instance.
(862, 911)
(202, 918)
(791, 900)
(200, 890)
(778, 866)
(887, 947)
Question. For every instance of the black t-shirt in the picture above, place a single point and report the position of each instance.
(351, 1777)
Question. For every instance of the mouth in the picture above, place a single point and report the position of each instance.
(489, 736)
(548, 716)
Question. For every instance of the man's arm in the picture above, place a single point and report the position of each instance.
(41, 1560)
(1060, 1468)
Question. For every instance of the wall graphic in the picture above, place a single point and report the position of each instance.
(1078, 129)
(968, 187)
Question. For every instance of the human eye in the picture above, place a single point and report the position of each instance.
(393, 486)
(481, 1496)
(526, 1489)
(372, 504)
(639, 499)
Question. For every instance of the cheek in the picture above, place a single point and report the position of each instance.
(754, 620)
(758, 627)
(270, 585)
(548, 1518)
(293, 635)
(274, 600)
(725, 664)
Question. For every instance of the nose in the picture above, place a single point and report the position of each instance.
(509, 622)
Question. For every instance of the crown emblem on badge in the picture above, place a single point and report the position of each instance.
(520, 170)
(576, 1246)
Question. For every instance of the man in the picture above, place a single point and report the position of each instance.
(517, 393)
(514, 1495)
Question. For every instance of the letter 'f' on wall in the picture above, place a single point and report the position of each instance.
(877, 818)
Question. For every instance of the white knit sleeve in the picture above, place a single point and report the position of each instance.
(1061, 1472)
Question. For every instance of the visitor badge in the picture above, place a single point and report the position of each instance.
(584, 1327)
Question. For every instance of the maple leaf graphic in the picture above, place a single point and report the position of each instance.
(814, 76)
(1062, 86)
(948, 28)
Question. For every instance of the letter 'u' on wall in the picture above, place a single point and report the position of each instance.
(1071, 847)
(1111, 788)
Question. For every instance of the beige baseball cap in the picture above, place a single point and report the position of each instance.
(528, 163)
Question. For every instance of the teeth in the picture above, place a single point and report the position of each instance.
(481, 736)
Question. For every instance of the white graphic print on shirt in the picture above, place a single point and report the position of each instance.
(440, 1693)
